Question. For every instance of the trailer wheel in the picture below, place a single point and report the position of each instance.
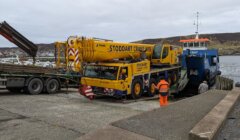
(52, 86)
(151, 88)
(137, 88)
(35, 86)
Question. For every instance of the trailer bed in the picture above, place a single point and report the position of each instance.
(17, 78)
(12, 68)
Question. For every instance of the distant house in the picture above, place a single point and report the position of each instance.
(1, 54)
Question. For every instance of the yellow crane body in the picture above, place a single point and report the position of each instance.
(80, 50)
(103, 63)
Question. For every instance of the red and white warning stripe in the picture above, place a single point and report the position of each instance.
(87, 91)
(71, 52)
(76, 56)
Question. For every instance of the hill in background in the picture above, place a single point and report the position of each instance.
(44, 50)
(226, 43)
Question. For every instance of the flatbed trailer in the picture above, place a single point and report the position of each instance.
(35, 79)
(32, 79)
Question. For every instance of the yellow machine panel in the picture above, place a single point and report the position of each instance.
(141, 67)
(112, 84)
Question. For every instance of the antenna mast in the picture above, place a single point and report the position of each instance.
(197, 25)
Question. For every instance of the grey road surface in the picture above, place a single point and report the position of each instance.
(60, 116)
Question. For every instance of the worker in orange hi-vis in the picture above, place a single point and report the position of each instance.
(163, 87)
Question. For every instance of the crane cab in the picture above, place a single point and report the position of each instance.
(165, 54)
(115, 76)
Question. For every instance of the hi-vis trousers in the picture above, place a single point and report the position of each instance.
(163, 100)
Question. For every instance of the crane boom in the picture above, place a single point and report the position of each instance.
(92, 50)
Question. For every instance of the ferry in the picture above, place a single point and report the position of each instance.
(200, 62)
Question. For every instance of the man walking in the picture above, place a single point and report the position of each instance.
(203, 87)
(163, 87)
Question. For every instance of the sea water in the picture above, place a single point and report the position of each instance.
(230, 67)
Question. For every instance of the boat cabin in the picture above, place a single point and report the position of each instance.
(195, 44)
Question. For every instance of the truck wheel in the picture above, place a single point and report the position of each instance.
(151, 88)
(137, 88)
(35, 86)
(52, 86)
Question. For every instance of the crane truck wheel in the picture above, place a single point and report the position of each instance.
(52, 86)
(35, 86)
(137, 88)
(151, 89)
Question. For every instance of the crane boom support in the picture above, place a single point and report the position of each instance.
(18, 39)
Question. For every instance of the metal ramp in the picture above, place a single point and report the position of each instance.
(15, 37)
(183, 81)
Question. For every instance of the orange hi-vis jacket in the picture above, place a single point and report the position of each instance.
(163, 86)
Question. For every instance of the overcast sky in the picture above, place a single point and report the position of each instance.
(46, 21)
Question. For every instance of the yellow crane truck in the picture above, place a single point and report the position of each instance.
(121, 69)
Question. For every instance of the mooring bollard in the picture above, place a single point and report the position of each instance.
(223, 83)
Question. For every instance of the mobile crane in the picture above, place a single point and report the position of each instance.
(98, 63)
(103, 63)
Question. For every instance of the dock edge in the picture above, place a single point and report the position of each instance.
(208, 127)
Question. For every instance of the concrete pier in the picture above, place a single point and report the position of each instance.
(207, 128)
(191, 118)
(70, 116)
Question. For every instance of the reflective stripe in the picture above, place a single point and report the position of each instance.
(163, 90)
(88, 90)
(89, 94)
(163, 86)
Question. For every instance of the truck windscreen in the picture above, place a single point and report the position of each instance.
(102, 72)
(157, 52)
